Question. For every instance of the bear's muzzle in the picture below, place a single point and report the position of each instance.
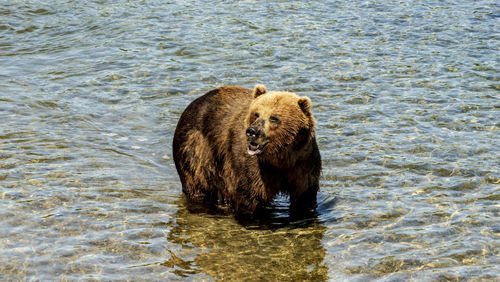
(256, 140)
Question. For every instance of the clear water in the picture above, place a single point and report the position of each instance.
(406, 95)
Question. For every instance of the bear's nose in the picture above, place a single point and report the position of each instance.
(251, 132)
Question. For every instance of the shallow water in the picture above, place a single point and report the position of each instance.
(406, 97)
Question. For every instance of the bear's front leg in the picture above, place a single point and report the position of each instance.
(245, 202)
(303, 205)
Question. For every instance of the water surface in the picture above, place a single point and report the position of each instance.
(406, 97)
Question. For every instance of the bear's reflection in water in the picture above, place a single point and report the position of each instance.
(272, 248)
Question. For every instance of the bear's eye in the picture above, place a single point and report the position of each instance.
(256, 115)
(274, 119)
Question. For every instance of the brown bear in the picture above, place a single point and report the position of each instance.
(241, 148)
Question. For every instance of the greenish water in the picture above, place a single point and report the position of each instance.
(406, 97)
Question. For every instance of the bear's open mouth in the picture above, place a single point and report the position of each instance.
(255, 149)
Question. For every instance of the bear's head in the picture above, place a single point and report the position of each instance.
(277, 123)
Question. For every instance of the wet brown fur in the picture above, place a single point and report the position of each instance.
(210, 149)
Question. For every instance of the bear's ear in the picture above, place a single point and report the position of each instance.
(305, 105)
(258, 90)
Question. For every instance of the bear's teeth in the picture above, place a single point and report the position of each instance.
(255, 149)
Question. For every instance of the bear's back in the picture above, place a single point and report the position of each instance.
(215, 108)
